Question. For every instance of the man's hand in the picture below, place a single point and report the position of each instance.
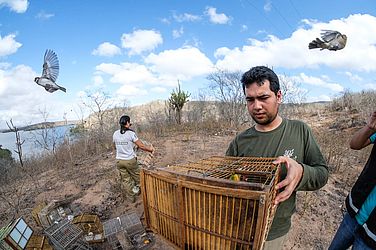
(294, 174)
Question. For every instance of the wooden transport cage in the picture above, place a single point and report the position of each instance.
(215, 203)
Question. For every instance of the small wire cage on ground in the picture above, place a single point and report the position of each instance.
(127, 232)
(215, 203)
(66, 236)
(91, 226)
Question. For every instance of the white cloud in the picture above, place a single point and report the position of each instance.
(21, 98)
(194, 42)
(319, 82)
(186, 17)
(8, 45)
(97, 80)
(183, 63)
(293, 52)
(5, 65)
(158, 90)
(216, 17)
(132, 74)
(19, 6)
(177, 33)
(165, 20)
(268, 6)
(127, 91)
(243, 28)
(160, 70)
(42, 15)
(106, 49)
(81, 94)
(141, 40)
(353, 77)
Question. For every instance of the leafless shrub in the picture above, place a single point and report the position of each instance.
(19, 141)
(46, 137)
(99, 103)
(356, 106)
(334, 146)
(344, 102)
(13, 198)
(292, 92)
(365, 103)
(362, 102)
(227, 90)
(293, 97)
(156, 122)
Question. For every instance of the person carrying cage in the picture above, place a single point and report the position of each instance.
(124, 140)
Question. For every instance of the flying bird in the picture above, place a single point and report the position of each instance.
(331, 40)
(50, 72)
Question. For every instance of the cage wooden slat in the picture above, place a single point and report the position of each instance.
(197, 206)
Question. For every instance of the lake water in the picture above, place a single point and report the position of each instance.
(8, 140)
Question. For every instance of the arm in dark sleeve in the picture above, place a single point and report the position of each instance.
(315, 170)
(314, 177)
(232, 149)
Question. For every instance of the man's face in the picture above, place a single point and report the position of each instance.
(262, 103)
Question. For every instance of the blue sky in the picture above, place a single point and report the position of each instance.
(136, 51)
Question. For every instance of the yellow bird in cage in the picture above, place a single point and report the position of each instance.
(235, 177)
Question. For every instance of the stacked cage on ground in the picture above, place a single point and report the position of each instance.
(215, 203)
(38, 242)
(127, 232)
(66, 236)
(92, 227)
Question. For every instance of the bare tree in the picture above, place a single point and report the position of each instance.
(19, 141)
(201, 109)
(99, 103)
(292, 91)
(47, 137)
(227, 89)
(15, 192)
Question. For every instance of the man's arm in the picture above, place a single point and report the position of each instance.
(361, 138)
(310, 174)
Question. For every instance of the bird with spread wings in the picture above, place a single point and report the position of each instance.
(331, 40)
(50, 72)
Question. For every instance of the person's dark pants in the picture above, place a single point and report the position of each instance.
(347, 235)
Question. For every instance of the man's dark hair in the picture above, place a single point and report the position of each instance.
(259, 74)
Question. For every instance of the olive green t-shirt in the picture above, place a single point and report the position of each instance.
(293, 139)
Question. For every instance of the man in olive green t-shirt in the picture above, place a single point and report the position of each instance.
(303, 165)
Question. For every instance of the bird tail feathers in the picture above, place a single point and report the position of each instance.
(315, 44)
(63, 89)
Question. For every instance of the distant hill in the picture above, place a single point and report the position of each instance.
(42, 125)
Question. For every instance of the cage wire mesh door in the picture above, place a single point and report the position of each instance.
(215, 203)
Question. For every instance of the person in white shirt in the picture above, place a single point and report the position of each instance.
(124, 140)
